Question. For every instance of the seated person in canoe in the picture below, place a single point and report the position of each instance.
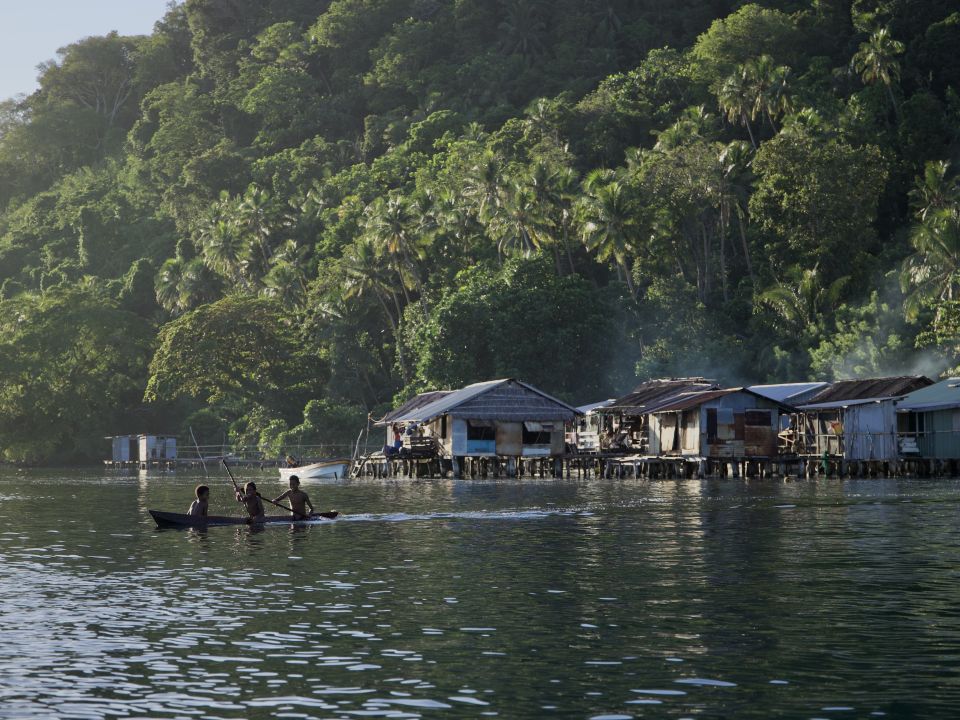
(198, 508)
(252, 502)
(297, 497)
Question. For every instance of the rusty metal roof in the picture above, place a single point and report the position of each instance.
(696, 399)
(656, 392)
(869, 389)
(688, 400)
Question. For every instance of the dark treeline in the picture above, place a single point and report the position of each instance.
(271, 217)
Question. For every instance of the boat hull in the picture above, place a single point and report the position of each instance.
(335, 469)
(169, 519)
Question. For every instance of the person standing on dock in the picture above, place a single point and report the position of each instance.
(297, 497)
(251, 500)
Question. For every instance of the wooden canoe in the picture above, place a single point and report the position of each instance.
(169, 519)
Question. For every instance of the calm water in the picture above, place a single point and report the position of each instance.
(533, 599)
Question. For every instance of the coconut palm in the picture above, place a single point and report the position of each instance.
(223, 248)
(608, 224)
(518, 223)
(736, 100)
(522, 29)
(935, 191)
(365, 275)
(389, 223)
(554, 189)
(799, 301)
(932, 272)
(485, 185)
(733, 193)
(876, 61)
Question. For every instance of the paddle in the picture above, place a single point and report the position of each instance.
(289, 510)
(328, 515)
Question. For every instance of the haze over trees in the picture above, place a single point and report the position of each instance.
(270, 218)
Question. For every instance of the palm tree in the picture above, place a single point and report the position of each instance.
(522, 29)
(800, 301)
(876, 62)
(182, 285)
(554, 189)
(364, 274)
(518, 223)
(933, 271)
(389, 222)
(223, 248)
(936, 190)
(773, 90)
(734, 192)
(608, 224)
(484, 186)
(736, 100)
(694, 123)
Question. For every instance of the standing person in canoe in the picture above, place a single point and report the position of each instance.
(299, 502)
(252, 502)
(198, 508)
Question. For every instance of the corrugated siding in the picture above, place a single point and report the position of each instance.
(940, 440)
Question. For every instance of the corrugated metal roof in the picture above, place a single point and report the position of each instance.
(417, 401)
(868, 389)
(939, 396)
(507, 400)
(689, 400)
(788, 392)
(656, 392)
(696, 399)
(595, 406)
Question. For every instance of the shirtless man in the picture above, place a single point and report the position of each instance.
(200, 505)
(297, 497)
(252, 502)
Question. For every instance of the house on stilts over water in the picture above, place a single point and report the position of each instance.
(851, 421)
(928, 426)
(475, 429)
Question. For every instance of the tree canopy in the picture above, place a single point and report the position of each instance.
(275, 217)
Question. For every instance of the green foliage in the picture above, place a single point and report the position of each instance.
(237, 352)
(72, 365)
(295, 202)
(816, 200)
(483, 328)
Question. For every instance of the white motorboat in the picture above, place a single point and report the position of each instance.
(335, 468)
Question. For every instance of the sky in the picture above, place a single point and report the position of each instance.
(31, 31)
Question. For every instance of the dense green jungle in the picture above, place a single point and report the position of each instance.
(270, 218)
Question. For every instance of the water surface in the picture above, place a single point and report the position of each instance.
(513, 599)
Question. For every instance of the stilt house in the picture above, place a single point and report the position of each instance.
(734, 423)
(416, 402)
(583, 433)
(625, 423)
(854, 419)
(498, 418)
(928, 422)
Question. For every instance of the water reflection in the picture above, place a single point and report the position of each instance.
(523, 599)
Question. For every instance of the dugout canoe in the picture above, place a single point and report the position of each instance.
(169, 519)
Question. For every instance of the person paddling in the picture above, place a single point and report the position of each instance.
(252, 502)
(297, 497)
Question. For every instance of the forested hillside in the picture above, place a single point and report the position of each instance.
(271, 217)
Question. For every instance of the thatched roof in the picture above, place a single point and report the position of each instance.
(506, 400)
